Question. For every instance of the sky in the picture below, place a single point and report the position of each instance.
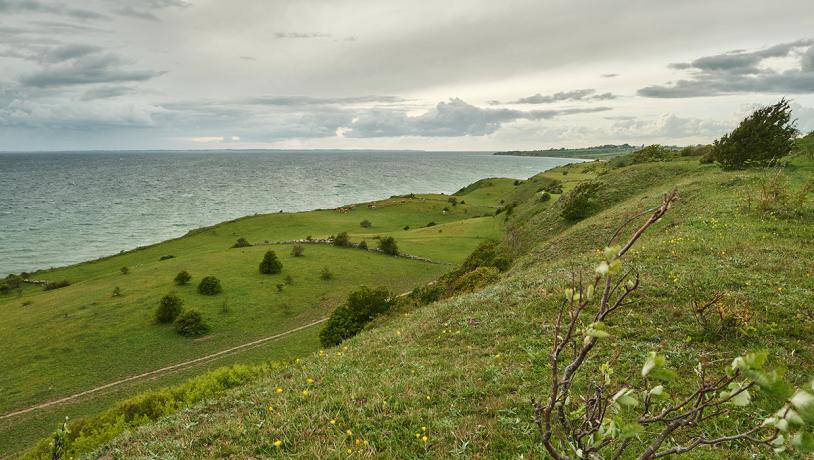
(383, 74)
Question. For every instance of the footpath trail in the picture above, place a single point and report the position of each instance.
(163, 370)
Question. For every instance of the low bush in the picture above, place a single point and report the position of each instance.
(761, 139)
(167, 257)
(190, 324)
(241, 243)
(365, 224)
(361, 306)
(5, 289)
(362, 245)
(775, 196)
(545, 196)
(83, 435)
(210, 285)
(124, 270)
(342, 240)
(51, 285)
(117, 291)
(168, 308)
(297, 250)
(580, 202)
(428, 294)
(326, 274)
(182, 278)
(430, 224)
(476, 279)
(388, 246)
(652, 153)
(270, 265)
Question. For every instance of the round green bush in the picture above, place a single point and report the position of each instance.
(210, 285)
(388, 246)
(580, 202)
(271, 264)
(182, 278)
(168, 308)
(191, 324)
(351, 317)
(342, 239)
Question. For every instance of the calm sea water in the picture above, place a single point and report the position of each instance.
(61, 208)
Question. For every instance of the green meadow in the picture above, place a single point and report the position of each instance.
(68, 340)
(456, 377)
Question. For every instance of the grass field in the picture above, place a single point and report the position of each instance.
(456, 378)
(60, 342)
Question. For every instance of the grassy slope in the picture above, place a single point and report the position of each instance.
(71, 339)
(462, 371)
(589, 153)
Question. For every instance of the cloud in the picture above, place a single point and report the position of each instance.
(145, 10)
(575, 95)
(742, 71)
(107, 92)
(38, 7)
(136, 13)
(668, 126)
(83, 66)
(308, 100)
(447, 119)
(66, 52)
(609, 75)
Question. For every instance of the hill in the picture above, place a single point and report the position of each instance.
(100, 328)
(457, 377)
(601, 152)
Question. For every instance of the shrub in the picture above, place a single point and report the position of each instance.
(580, 202)
(241, 243)
(297, 250)
(365, 224)
(117, 291)
(431, 224)
(326, 274)
(351, 317)
(363, 245)
(190, 324)
(167, 257)
(182, 278)
(428, 294)
(168, 308)
(280, 287)
(406, 227)
(14, 281)
(270, 264)
(651, 153)
(124, 270)
(476, 279)
(288, 279)
(5, 289)
(545, 196)
(210, 285)
(388, 246)
(342, 240)
(776, 197)
(761, 139)
(51, 285)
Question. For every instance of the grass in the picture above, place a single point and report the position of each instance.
(455, 378)
(64, 341)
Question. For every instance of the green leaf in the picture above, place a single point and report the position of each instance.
(653, 361)
(803, 403)
(739, 399)
(803, 441)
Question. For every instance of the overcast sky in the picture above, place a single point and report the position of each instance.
(469, 75)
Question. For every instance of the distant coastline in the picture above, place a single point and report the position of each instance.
(599, 152)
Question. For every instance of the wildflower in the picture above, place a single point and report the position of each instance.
(305, 392)
(279, 390)
(271, 409)
(278, 443)
(297, 360)
(423, 428)
(332, 422)
(349, 432)
(398, 333)
(425, 438)
(350, 451)
(309, 381)
(358, 441)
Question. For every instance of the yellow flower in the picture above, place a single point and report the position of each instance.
(297, 360)
(398, 332)
(425, 438)
(423, 428)
(279, 390)
(309, 380)
(332, 422)
(365, 443)
(349, 432)
(271, 409)
(305, 392)
(278, 443)
(350, 451)
(358, 441)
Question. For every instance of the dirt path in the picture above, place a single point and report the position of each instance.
(163, 370)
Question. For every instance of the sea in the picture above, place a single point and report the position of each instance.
(60, 208)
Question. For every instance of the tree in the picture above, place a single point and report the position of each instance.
(761, 139)
(241, 243)
(580, 201)
(168, 308)
(210, 285)
(182, 278)
(190, 324)
(361, 306)
(365, 224)
(388, 246)
(271, 264)
(342, 240)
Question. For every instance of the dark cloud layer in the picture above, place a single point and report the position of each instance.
(742, 72)
(447, 119)
(35, 6)
(563, 96)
